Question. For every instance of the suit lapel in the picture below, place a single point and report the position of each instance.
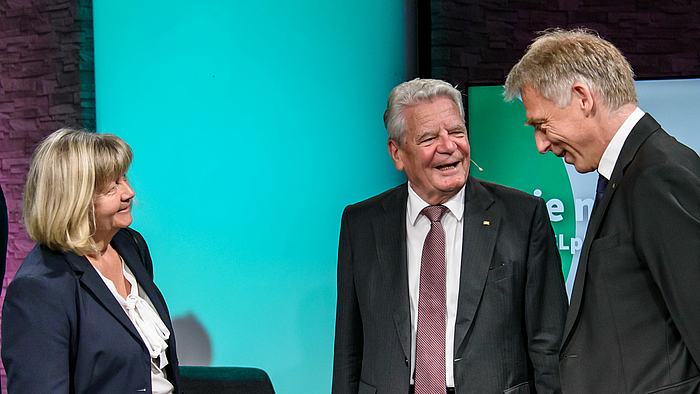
(91, 281)
(390, 235)
(479, 240)
(126, 247)
(641, 131)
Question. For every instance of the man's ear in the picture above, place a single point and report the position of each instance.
(395, 153)
(584, 98)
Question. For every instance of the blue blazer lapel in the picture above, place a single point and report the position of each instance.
(478, 244)
(641, 131)
(124, 244)
(390, 235)
(92, 283)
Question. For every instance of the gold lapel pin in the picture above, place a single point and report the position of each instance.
(486, 223)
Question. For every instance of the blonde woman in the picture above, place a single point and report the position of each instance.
(83, 315)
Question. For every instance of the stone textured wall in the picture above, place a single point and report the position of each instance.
(46, 82)
(477, 42)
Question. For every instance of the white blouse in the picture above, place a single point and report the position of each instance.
(149, 325)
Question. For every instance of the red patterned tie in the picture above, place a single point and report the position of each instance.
(430, 335)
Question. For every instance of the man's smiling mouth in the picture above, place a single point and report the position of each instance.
(445, 167)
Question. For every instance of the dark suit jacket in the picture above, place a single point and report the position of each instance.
(64, 332)
(634, 320)
(3, 234)
(511, 308)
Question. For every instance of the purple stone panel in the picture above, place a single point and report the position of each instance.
(42, 83)
(477, 42)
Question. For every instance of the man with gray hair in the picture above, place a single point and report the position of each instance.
(633, 321)
(446, 284)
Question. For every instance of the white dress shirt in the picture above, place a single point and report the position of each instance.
(612, 152)
(417, 227)
(153, 332)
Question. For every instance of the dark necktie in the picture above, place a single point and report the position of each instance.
(430, 333)
(600, 189)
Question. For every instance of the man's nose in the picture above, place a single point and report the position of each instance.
(446, 144)
(543, 144)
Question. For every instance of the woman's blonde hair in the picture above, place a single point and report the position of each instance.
(68, 169)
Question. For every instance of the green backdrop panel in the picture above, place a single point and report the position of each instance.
(505, 149)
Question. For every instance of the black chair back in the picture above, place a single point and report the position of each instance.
(225, 380)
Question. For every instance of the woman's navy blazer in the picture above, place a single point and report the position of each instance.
(64, 332)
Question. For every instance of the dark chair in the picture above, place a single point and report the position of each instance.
(224, 380)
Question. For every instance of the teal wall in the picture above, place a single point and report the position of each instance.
(253, 124)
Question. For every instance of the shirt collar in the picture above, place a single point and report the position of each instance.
(612, 152)
(415, 204)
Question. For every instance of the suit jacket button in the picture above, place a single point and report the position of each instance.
(406, 361)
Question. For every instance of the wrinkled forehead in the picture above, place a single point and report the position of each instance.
(430, 113)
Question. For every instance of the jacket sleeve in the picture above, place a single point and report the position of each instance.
(546, 303)
(36, 338)
(347, 360)
(666, 227)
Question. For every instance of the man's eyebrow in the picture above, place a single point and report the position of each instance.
(425, 133)
(534, 122)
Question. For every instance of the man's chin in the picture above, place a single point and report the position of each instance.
(581, 167)
(453, 186)
(584, 170)
(438, 190)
